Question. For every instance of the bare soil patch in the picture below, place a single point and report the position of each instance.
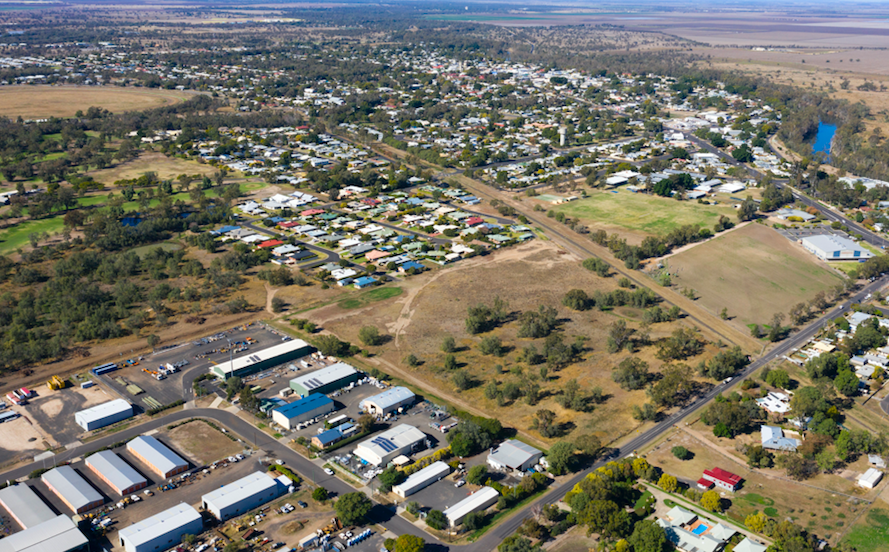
(202, 443)
(32, 102)
(166, 168)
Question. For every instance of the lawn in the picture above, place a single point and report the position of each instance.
(754, 272)
(871, 532)
(372, 296)
(65, 101)
(17, 236)
(642, 214)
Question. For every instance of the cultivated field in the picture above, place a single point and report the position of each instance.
(33, 102)
(753, 272)
(434, 305)
(640, 214)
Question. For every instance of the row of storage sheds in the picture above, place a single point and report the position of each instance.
(25, 507)
(395, 441)
(72, 489)
(326, 380)
(422, 479)
(161, 531)
(388, 401)
(157, 456)
(241, 496)
(103, 414)
(114, 471)
(315, 405)
(476, 502)
(254, 362)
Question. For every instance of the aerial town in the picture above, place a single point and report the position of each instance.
(406, 278)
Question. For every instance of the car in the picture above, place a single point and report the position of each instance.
(239, 456)
(328, 471)
(302, 504)
(279, 462)
(728, 379)
(460, 483)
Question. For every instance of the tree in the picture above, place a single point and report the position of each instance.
(846, 383)
(232, 386)
(576, 299)
(370, 335)
(153, 340)
(747, 210)
(618, 336)
(777, 330)
(778, 378)
(450, 362)
(561, 458)
(448, 345)
(436, 520)
(606, 518)
(711, 501)
(278, 304)
(409, 543)
(320, 494)
(352, 508)
(722, 430)
(462, 380)
(668, 483)
(477, 474)
(588, 444)
(680, 452)
(756, 522)
(491, 345)
(742, 154)
(544, 422)
(474, 521)
(188, 539)
(648, 536)
(631, 373)
(389, 478)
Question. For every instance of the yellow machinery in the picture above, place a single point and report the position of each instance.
(55, 382)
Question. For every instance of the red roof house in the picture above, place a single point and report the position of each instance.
(472, 221)
(311, 212)
(723, 479)
(290, 224)
(269, 243)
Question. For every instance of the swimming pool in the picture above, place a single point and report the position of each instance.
(699, 529)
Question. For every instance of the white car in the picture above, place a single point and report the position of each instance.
(460, 483)
(328, 471)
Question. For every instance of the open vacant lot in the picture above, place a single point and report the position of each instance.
(166, 168)
(31, 102)
(753, 272)
(640, 214)
(871, 532)
(201, 442)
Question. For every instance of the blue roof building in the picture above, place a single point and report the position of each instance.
(364, 281)
(314, 405)
(327, 438)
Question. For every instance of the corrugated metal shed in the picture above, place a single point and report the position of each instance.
(110, 411)
(72, 488)
(58, 534)
(388, 400)
(323, 377)
(422, 479)
(158, 456)
(115, 471)
(237, 491)
(513, 454)
(475, 502)
(160, 530)
(25, 506)
(246, 361)
(303, 406)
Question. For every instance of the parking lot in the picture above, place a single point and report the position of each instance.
(796, 234)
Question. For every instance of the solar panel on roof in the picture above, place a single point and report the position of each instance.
(385, 444)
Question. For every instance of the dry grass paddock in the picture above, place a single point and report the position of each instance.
(202, 443)
(38, 101)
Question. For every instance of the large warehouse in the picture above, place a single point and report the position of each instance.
(422, 479)
(388, 401)
(58, 534)
(828, 247)
(395, 441)
(72, 489)
(119, 475)
(336, 376)
(241, 496)
(289, 415)
(258, 361)
(25, 507)
(157, 456)
(104, 414)
(476, 502)
(161, 531)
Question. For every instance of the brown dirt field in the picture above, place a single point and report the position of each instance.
(17, 436)
(202, 443)
(754, 272)
(165, 167)
(32, 102)
(434, 306)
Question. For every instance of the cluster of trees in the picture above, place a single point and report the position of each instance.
(642, 297)
(732, 415)
(651, 246)
(474, 434)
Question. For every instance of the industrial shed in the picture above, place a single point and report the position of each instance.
(157, 456)
(514, 455)
(58, 534)
(422, 479)
(254, 362)
(829, 247)
(72, 489)
(477, 502)
(336, 376)
(25, 507)
(395, 441)
(103, 414)
(289, 415)
(388, 401)
(161, 531)
(119, 475)
(241, 496)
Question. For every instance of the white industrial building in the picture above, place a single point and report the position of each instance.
(422, 479)
(119, 475)
(72, 489)
(388, 401)
(58, 534)
(25, 507)
(828, 247)
(241, 496)
(514, 455)
(870, 479)
(314, 405)
(395, 441)
(326, 380)
(478, 501)
(157, 456)
(103, 414)
(161, 531)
